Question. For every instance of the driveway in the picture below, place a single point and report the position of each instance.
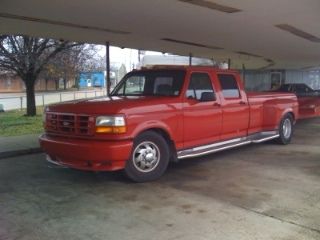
(265, 191)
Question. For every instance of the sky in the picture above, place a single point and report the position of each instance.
(127, 56)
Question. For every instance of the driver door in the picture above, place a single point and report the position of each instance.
(202, 118)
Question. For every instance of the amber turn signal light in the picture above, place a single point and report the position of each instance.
(111, 129)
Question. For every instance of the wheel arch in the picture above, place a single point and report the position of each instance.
(290, 112)
(292, 115)
(166, 136)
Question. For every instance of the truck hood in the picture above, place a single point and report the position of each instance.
(116, 105)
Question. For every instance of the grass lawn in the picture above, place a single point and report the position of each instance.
(14, 123)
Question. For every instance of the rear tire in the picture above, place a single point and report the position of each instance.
(149, 158)
(285, 129)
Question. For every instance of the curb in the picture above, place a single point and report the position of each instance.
(16, 153)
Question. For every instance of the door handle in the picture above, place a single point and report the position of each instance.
(242, 103)
(217, 105)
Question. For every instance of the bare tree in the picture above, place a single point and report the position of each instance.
(27, 57)
(68, 64)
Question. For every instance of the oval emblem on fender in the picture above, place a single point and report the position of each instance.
(65, 124)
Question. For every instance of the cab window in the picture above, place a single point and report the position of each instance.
(151, 83)
(229, 86)
(199, 83)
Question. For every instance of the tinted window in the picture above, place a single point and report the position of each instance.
(134, 85)
(229, 86)
(199, 83)
(151, 83)
(302, 89)
(284, 88)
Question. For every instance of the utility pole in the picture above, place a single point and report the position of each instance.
(139, 58)
(108, 81)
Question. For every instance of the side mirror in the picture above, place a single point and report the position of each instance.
(207, 97)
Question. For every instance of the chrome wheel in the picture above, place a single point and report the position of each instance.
(287, 128)
(146, 157)
(149, 159)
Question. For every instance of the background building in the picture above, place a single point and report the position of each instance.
(12, 83)
(272, 79)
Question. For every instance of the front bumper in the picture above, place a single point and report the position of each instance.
(86, 154)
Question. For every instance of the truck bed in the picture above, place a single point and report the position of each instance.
(267, 107)
(263, 96)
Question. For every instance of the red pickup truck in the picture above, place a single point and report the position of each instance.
(164, 114)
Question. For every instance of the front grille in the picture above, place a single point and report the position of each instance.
(74, 124)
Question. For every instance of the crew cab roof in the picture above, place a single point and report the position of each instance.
(187, 67)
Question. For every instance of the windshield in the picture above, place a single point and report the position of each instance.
(151, 83)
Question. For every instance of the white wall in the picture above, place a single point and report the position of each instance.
(312, 78)
(260, 80)
(257, 80)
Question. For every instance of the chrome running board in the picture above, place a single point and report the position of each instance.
(264, 136)
(219, 146)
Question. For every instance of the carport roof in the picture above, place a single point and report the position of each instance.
(260, 34)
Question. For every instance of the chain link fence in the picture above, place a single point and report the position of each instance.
(19, 102)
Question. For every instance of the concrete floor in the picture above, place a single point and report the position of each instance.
(263, 191)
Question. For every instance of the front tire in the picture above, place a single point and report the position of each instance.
(285, 129)
(149, 158)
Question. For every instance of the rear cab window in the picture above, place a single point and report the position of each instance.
(229, 86)
(199, 83)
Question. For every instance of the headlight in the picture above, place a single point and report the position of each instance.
(110, 124)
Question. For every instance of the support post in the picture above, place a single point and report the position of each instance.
(190, 59)
(229, 63)
(139, 58)
(244, 74)
(108, 81)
